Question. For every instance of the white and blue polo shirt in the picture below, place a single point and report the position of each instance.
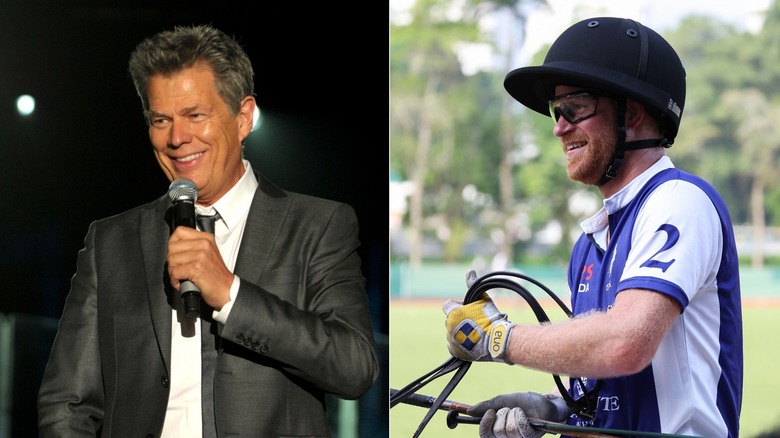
(669, 232)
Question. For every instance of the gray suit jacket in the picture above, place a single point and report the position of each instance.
(300, 326)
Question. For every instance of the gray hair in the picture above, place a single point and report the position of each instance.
(169, 52)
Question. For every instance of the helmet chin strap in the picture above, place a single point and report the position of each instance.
(622, 145)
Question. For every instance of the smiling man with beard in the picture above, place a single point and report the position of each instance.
(655, 343)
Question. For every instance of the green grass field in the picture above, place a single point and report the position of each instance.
(417, 346)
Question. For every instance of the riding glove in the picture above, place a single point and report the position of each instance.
(477, 331)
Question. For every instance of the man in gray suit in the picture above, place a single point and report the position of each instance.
(284, 314)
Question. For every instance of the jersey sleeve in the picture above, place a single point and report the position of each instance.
(676, 243)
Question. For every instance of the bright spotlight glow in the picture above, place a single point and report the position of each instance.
(257, 119)
(25, 104)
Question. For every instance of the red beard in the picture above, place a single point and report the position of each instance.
(590, 165)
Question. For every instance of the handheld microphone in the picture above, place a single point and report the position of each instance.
(183, 193)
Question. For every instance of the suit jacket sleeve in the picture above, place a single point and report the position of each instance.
(107, 370)
(306, 309)
(71, 395)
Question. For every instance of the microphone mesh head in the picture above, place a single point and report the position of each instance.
(182, 188)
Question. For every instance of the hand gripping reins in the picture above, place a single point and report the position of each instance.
(584, 406)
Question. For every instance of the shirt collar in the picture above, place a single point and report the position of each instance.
(234, 205)
(620, 199)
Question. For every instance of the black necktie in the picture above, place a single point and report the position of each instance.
(208, 349)
(206, 222)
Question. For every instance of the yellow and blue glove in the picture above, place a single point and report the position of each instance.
(477, 331)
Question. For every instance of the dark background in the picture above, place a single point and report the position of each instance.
(321, 79)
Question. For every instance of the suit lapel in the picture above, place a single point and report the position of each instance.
(153, 233)
(264, 222)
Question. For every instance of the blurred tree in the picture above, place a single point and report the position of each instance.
(512, 151)
(717, 58)
(451, 133)
(758, 134)
(731, 114)
(425, 76)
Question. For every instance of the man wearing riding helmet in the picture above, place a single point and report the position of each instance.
(655, 344)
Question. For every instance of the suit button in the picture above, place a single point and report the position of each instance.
(239, 338)
(264, 349)
(247, 341)
(164, 381)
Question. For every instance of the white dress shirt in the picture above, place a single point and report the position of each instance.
(183, 417)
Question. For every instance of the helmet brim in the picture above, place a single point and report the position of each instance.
(535, 86)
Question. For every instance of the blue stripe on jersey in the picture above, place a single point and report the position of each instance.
(633, 402)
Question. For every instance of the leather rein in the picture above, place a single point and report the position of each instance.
(584, 406)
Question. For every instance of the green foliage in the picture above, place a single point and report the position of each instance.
(729, 124)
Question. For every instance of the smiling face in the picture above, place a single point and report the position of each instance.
(589, 145)
(193, 132)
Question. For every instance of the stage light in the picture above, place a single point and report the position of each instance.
(25, 104)
(257, 119)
